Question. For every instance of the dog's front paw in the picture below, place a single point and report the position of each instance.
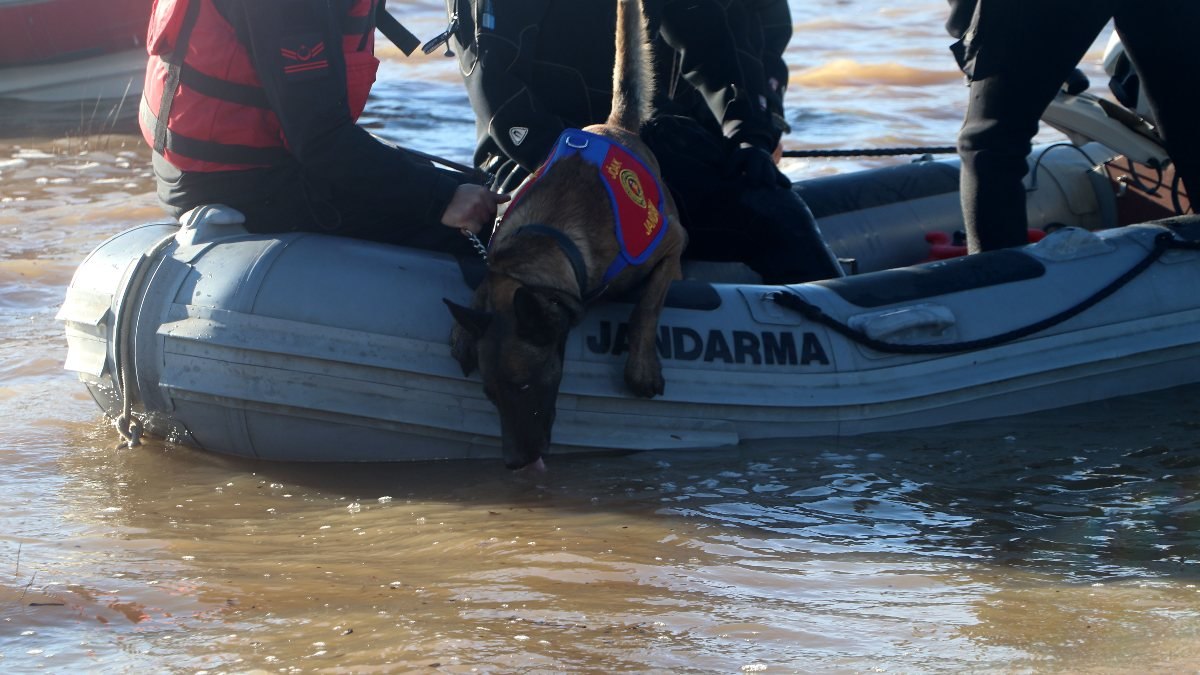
(462, 348)
(644, 378)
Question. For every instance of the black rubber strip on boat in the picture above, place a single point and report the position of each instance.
(1163, 242)
(908, 284)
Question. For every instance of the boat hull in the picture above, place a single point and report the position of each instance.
(116, 76)
(308, 347)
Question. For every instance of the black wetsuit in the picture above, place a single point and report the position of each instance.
(1017, 54)
(339, 178)
(535, 67)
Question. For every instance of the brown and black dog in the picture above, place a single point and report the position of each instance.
(554, 252)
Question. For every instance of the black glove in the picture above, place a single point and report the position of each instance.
(754, 167)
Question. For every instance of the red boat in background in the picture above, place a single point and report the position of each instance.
(43, 31)
(60, 50)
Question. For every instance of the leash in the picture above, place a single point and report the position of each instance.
(476, 243)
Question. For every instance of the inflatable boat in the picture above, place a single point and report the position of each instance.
(72, 50)
(310, 347)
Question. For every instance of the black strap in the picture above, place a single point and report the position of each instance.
(395, 31)
(570, 250)
(210, 151)
(174, 62)
(214, 87)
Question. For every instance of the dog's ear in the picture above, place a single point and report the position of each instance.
(475, 321)
(543, 316)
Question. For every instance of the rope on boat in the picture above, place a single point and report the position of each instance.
(127, 425)
(874, 152)
(1163, 242)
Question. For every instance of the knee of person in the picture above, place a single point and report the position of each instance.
(999, 137)
(776, 203)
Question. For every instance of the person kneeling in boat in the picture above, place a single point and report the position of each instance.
(537, 67)
(253, 104)
(1017, 54)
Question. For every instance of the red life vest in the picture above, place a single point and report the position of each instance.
(203, 107)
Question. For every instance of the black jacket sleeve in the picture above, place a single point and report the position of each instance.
(720, 47)
(961, 12)
(314, 113)
(497, 57)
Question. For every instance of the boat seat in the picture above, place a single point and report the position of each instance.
(908, 284)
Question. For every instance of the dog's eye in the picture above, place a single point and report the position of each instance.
(523, 387)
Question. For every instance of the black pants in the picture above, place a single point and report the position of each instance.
(1018, 57)
(770, 229)
(281, 199)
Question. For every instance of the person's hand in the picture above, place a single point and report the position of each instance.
(471, 207)
(754, 167)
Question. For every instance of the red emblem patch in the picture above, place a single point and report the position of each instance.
(636, 199)
(303, 57)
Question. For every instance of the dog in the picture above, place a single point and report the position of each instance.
(562, 245)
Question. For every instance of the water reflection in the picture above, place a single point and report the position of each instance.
(74, 120)
(842, 554)
(1060, 498)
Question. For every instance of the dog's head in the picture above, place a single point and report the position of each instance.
(520, 347)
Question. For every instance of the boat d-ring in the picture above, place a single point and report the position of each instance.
(124, 323)
(578, 144)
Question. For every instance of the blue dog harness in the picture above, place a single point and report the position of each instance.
(637, 199)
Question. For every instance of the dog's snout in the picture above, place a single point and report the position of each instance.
(524, 447)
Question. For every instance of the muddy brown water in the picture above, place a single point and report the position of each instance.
(1064, 541)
